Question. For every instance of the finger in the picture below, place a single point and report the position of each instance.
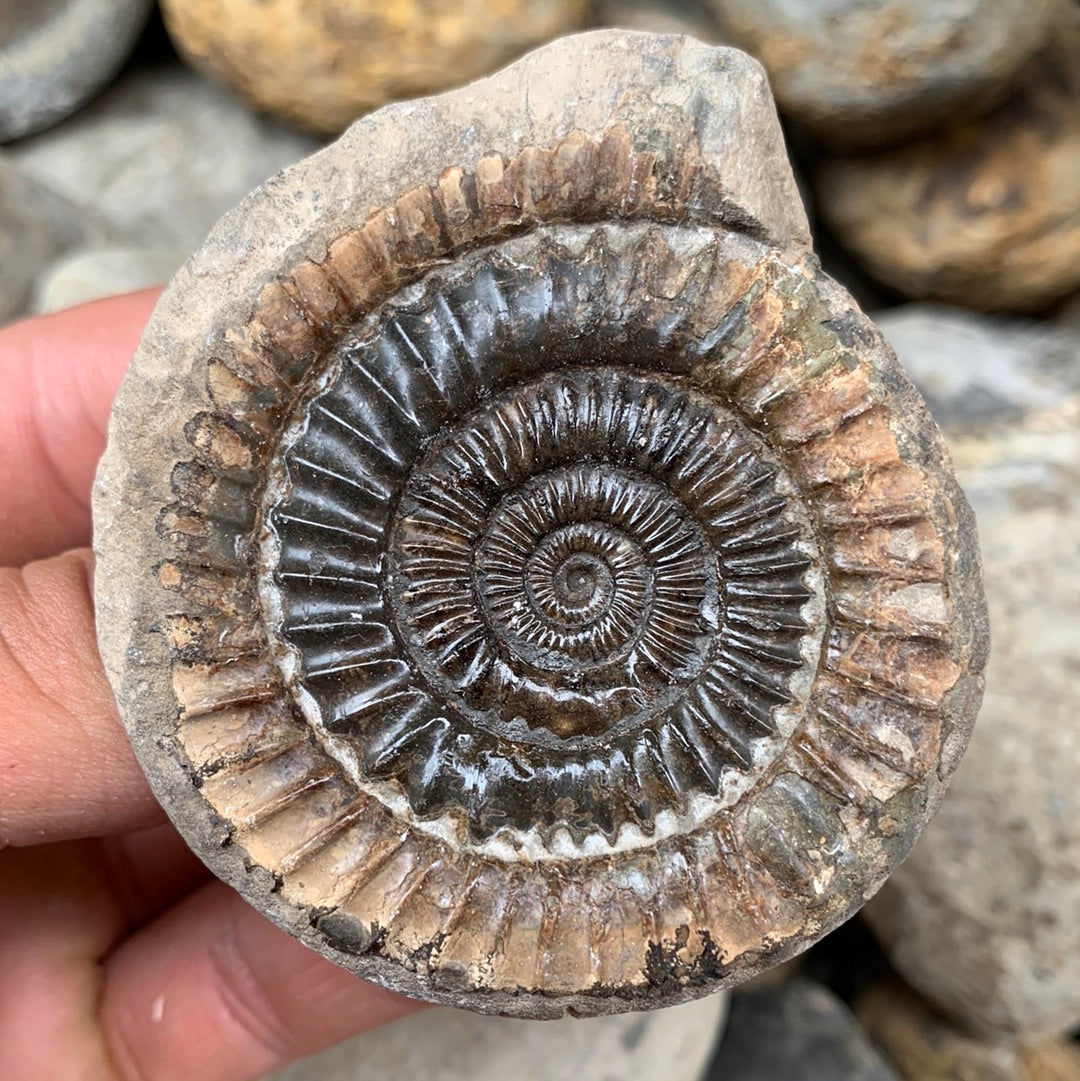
(149, 871)
(58, 377)
(57, 918)
(257, 998)
(66, 767)
(62, 908)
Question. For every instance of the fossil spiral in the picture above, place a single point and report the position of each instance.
(559, 599)
(539, 552)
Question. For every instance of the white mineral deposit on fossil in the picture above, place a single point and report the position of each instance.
(523, 574)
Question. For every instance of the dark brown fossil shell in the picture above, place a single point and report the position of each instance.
(563, 597)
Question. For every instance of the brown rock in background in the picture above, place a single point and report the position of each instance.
(987, 214)
(323, 63)
(870, 72)
(926, 1047)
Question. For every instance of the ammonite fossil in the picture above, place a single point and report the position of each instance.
(523, 574)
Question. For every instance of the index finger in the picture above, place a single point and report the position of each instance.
(58, 378)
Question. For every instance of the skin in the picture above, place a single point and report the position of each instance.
(121, 957)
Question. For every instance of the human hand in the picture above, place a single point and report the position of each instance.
(121, 957)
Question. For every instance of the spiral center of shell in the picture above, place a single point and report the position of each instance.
(577, 575)
(560, 594)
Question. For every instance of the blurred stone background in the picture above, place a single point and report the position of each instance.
(938, 144)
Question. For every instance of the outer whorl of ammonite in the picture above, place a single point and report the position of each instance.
(559, 597)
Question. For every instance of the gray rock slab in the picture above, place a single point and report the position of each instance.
(798, 1032)
(36, 224)
(87, 273)
(979, 371)
(984, 917)
(451, 1045)
(160, 157)
(56, 54)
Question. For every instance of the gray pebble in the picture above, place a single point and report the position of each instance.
(36, 224)
(798, 1032)
(451, 1045)
(89, 273)
(55, 54)
(160, 157)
